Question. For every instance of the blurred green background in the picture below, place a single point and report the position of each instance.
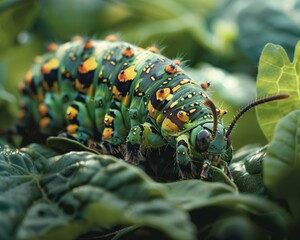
(220, 41)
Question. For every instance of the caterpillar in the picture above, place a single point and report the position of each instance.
(128, 100)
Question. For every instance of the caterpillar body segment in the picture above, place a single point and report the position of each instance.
(128, 100)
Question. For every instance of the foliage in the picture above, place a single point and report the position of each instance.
(282, 164)
(47, 195)
(66, 190)
(277, 75)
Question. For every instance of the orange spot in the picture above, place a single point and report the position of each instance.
(28, 77)
(128, 52)
(88, 44)
(153, 49)
(111, 38)
(205, 85)
(52, 47)
(77, 38)
(107, 133)
(72, 128)
(177, 62)
(162, 93)
(171, 69)
(44, 122)
(183, 116)
(50, 65)
(88, 65)
(43, 109)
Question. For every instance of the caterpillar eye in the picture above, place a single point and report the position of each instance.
(203, 140)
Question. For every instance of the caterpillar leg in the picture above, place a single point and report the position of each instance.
(183, 159)
(79, 123)
(115, 131)
(140, 138)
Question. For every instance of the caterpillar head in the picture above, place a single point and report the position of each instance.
(212, 141)
(208, 140)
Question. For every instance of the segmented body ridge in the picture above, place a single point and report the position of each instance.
(112, 91)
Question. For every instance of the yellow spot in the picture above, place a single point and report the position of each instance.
(50, 65)
(127, 74)
(108, 120)
(184, 81)
(107, 133)
(183, 116)
(222, 113)
(72, 128)
(43, 109)
(162, 93)
(169, 97)
(80, 87)
(173, 104)
(90, 91)
(160, 118)
(28, 77)
(71, 113)
(174, 89)
(168, 125)
(151, 110)
(63, 70)
(192, 110)
(44, 122)
(190, 96)
(88, 65)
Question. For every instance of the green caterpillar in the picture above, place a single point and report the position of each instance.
(127, 100)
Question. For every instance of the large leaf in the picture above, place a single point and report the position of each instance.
(261, 22)
(282, 163)
(212, 205)
(246, 169)
(277, 74)
(47, 196)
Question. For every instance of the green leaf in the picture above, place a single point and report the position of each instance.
(210, 202)
(282, 163)
(261, 22)
(246, 169)
(277, 74)
(65, 145)
(16, 16)
(44, 195)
